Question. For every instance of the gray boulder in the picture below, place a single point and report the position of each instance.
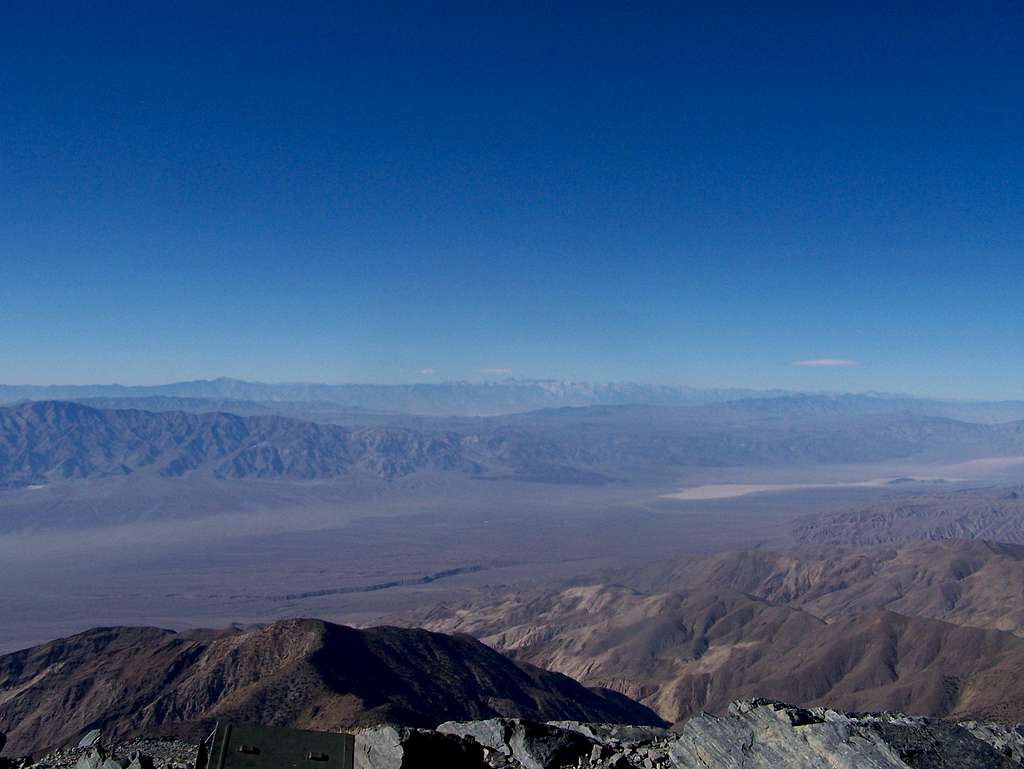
(531, 745)
(140, 761)
(398, 747)
(492, 733)
(622, 734)
(766, 735)
(763, 734)
(924, 743)
(90, 740)
(91, 759)
(1008, 742)
(539, 746)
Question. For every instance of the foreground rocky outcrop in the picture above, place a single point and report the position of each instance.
(92, 752)
(753, 734)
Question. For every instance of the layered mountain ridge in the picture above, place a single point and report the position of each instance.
(931, 628)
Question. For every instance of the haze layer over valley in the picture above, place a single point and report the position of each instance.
(165, 507)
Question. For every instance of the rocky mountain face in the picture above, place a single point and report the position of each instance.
(964, 582)
(301, 673)
(752, 734)
(995, 513)
(927, 629)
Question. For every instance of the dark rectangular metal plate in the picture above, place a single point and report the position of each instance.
(250, 746)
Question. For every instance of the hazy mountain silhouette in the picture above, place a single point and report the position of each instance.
(46, 441)
(509, 396)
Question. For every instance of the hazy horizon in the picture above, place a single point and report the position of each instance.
(511, 380)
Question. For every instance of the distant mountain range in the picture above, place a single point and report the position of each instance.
(444, 399)
(495, 398)
(47, 441)
(303, 673)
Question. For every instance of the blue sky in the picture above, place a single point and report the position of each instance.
(669, 193)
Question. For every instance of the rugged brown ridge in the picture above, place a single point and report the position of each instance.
(969, 583)
(303, 673)
(927, 629)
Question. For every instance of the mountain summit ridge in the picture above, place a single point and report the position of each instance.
(300, 672)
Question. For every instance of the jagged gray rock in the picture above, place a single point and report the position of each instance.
(622, 734)
(493, 733)
(137, 753)
(530, 745)
(1009, 742)
(398, 747)
(93, 758)
(755, 734)
(140, 761)
(90, 740)
(761, 733)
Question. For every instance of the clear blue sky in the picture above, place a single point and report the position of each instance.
(698, 194)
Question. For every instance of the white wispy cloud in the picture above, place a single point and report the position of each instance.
(495, 371)
(827, 363)
(427, 371)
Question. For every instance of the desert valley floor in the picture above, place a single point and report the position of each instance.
(383, 559)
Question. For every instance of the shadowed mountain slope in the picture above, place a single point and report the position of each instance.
(304, 673)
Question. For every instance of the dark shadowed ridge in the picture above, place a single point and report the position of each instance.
(302, 673)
